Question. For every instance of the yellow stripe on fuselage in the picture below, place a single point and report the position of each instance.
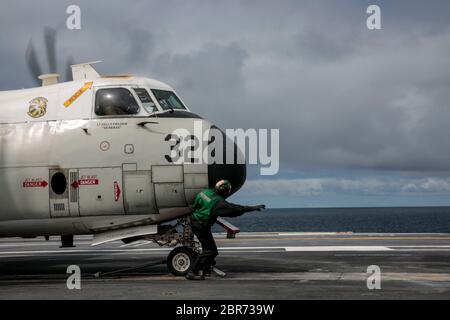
(78, 94)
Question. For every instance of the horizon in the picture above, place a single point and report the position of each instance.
(380, 207)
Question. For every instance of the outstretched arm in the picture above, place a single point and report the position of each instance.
(226, 209)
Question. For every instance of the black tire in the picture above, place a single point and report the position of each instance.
(179, 260)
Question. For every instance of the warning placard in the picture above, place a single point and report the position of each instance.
(86, 181)
(35, 183)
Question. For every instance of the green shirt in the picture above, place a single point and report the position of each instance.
(204, 202)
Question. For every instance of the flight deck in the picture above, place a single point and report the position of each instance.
(257, 266)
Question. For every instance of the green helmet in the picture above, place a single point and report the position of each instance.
(223, 187)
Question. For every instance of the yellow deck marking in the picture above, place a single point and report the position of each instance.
(77, 94)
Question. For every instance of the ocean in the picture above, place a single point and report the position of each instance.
(358, 220)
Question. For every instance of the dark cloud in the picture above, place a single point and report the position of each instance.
(140, 46)
(343, 96)
(321, 47)
(210, 79)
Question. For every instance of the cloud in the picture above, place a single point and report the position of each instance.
(312, 187)
(343, 96)
(140, 45)
(221, 65)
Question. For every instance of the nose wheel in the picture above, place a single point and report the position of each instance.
(179, 260)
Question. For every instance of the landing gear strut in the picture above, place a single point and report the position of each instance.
(181, 258)
(67, 241)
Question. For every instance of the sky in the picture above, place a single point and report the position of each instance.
(363, 114)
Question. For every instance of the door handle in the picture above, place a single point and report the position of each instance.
(144, 123)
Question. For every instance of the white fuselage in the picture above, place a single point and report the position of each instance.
(115, 170)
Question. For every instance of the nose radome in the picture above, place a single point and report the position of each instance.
(235, 172)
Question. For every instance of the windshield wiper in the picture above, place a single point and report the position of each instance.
(155, 114)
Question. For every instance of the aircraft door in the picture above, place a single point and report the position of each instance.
(139, 193)
(100, 191)
(169, 186)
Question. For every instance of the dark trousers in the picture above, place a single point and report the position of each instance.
(209, 248)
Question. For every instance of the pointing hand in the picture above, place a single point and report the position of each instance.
(259, 207)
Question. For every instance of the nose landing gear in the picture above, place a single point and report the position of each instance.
(181, 258)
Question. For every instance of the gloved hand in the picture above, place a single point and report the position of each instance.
(259, 207)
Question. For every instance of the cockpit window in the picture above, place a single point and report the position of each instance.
(168, 100)
(115, 102)
(146, 100)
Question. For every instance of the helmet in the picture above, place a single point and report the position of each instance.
(223, 187)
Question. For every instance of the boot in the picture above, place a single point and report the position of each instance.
(208, 270)
(192, 276)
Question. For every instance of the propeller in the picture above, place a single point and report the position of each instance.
(70, 62)
(32, 61)
(50, 47)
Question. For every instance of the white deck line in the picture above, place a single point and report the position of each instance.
(285, 234)
(338, 248)
(288, 249)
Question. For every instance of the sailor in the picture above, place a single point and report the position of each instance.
(208, 206)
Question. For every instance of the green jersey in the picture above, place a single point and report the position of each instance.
(204, 202)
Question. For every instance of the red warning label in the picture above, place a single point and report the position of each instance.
(116, 191)
(86, 181)
(35, 183)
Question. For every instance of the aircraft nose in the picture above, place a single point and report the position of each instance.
(235, 172)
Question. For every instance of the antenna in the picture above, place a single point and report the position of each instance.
(49, 79)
